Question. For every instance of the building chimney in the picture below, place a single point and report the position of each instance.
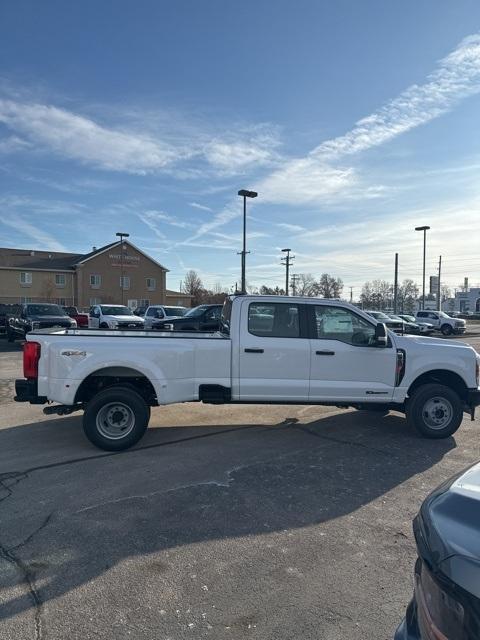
(94, 248)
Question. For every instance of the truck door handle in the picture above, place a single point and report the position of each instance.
(253, 350)
(325, 353)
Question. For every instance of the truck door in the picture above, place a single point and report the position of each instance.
(274, 357)
(345, 364)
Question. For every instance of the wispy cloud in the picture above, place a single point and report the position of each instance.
(80, 138)
(318, 176)
(166, 218)
(202, 207)
(294, 228)
(40, 237)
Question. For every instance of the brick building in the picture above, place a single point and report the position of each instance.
(105, 275)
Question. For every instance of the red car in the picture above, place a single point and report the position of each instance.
(81, 318)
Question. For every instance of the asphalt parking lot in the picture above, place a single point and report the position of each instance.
(225, 522)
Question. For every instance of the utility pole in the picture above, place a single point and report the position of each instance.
(287, 261)
(295, 277)
(395, 285)
(351, 295)
(439, 301)
(122, 236)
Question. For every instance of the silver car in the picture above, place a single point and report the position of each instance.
(162, 312)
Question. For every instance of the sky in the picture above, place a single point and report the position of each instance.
(354, 122)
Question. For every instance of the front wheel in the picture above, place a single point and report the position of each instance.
(116, 418)
(446, 329)
(435, 411)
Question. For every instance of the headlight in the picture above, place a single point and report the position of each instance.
(439, 614)
(113, 324)
(73, 324)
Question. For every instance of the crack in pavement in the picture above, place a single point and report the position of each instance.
(29, 580)
(28, 577)
(33, 534)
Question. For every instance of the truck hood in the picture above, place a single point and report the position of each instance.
(59, 319)
(401, 341)
(447, 529)
(131, 318)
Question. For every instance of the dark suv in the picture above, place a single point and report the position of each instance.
(37, 316)
(205, 317)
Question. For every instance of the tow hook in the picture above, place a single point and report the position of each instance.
(62, 409)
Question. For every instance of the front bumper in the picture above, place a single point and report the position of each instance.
(27, 391)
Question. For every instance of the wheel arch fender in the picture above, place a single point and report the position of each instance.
(447, 377)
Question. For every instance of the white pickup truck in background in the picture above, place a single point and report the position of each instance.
(271, 349)
(442, 322)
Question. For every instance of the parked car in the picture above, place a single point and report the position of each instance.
(205, 317)
(6, 311)
(37, 316)
(442, 322)
(113, 316)
(270, 350)
(80, 318)
(161, 312)
(408, 327)
(424, 327)
(140, 311)
(394, 325)
(446, 600)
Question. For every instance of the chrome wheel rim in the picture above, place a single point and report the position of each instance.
(115, 420)
(437, 413)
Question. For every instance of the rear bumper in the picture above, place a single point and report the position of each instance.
(27, 391)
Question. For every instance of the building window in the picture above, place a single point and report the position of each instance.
(95, 301)
(124, 282)
(151, 284)
(95, 280)
(59, 279)
(25, 278)
(62, 302)
(144, 303)
(25, 300)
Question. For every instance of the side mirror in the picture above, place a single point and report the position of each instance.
(381, 336)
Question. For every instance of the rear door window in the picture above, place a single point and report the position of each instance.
(274, 320)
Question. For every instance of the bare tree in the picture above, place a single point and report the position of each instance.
(407, 296)
(377, 294)
(48, 289)
(306, 285)
(329, 287)
(193, 285)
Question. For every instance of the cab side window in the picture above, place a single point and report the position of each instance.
(213, 314)
(273, 320)
(336, 323)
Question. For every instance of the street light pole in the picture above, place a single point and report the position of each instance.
(122, 236)
(245, 194)
(424, 229)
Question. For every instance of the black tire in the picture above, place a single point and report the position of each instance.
(435, 411)
(105, 413)
(446, 329)
(103, 326)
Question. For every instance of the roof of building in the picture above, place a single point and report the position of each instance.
(169, 292)
(51, 260)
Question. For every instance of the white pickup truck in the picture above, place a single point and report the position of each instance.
(271, 349)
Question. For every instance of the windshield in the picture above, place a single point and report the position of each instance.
(394, 317)
(174, 311)
(379, 315)
(45, 310)
(409, 318)
(442, 314)
(116, 311)
(196, 311)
